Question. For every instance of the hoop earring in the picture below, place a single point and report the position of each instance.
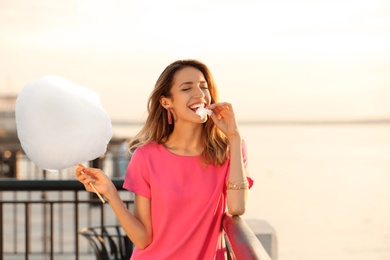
(169, 116)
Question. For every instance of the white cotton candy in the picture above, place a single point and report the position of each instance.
(202, 112)
(60, 123)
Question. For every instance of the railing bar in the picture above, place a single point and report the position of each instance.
(44, 226)
(29, 198)
(49, 201)
(47, 185)
(76, 239)
(61, 224)
(27, 229)
(101, 214)
(60, 220)
(1, 231)
(89, 217)
(51, 232)
(15, 226)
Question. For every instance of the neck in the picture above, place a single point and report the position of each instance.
(185, 140)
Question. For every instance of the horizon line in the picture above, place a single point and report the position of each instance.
(284, 122)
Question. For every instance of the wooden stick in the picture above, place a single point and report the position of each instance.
(95, 190)
(97, 193)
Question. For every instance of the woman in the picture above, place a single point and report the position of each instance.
(185, 170)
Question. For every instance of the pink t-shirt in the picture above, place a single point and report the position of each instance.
(187, 199)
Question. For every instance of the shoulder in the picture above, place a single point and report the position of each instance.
(150, 148)
(143, 157)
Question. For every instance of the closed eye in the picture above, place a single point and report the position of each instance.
(204, 86)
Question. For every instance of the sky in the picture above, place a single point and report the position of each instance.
(273, 60)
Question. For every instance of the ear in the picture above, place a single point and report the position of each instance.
(164, 102)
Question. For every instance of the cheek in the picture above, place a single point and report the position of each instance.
(208, 97)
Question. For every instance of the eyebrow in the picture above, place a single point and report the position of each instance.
(190, 82)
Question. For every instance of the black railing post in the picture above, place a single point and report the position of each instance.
(76, 224)
(27, 229)
(1, 232)
(51, 232)
(44, 226)
(15, 223)
(102, 215)
(61, 225)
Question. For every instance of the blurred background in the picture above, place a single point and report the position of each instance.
(309, 81)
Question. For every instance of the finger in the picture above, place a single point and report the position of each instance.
(80, 169)
(84, 177)
(223, 111)
(92, 172)
(220, 104)
(86, 171)
(214, 117)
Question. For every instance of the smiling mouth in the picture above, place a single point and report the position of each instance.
(196, 106)
(200, 110)
(203, 112)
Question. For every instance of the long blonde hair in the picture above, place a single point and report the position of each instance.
(156, 127)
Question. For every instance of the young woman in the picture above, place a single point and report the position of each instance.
(185, 170)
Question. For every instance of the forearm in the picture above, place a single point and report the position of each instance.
(133, 227)
(237, 198)
(140, 232)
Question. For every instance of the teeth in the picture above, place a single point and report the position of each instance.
(202, 112)
(197, 105)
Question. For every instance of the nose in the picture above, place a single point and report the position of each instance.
(199, 92)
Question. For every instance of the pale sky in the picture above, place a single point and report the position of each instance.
(272, 59)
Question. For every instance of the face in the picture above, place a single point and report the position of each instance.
(189, 92)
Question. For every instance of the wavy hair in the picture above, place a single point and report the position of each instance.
(156, 127)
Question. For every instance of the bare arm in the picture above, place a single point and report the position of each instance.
(137, 226)
(223, 116)
(237, 197)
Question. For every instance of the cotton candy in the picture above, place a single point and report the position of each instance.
(202, 112)
(60, 123)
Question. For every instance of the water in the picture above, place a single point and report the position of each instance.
(324, 188)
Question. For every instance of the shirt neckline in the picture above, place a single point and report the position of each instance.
(178, 155)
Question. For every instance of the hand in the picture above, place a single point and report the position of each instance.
(223, 116)
(102, 183)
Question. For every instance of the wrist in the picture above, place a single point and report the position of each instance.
(111, 194)
(234, 137)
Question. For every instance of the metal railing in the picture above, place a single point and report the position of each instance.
(43, 218)
(241, 239)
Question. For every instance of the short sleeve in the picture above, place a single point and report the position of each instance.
(137, 178)
(245, 160)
